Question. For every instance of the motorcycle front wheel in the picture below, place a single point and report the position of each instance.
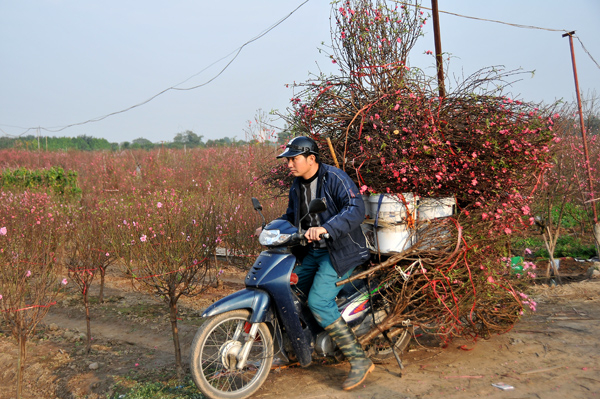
(214, 356)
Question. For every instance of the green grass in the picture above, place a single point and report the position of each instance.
(172, 389)
(573, 216)
(571, 246)
(566, 246)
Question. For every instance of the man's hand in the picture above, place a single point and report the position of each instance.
(257, 231)
(313, 233)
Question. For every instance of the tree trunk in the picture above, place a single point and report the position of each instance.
(101, 296)
(178, 364)
(88, 345)
(597, 238)
(21, 363)
(550, 242)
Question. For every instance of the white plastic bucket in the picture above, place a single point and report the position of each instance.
(432, 237)
(392, 208)
(365, 198)
(432, 208)
(393, 239)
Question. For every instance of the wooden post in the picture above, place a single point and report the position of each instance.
(438, 48)
(596, 227)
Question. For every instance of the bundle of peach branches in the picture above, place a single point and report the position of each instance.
(387, 127)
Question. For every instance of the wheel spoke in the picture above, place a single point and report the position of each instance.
(221, 376)
(215, 352)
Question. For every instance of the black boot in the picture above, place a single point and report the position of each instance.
(360, 364)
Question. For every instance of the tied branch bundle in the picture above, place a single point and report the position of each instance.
(446, 287)
(392, 133)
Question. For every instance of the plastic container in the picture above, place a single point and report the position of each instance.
(393, 239)
(365, 198)
(516, 265)
(432, 208)
(432, 237)
(391, 208)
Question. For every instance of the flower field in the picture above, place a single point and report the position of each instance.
(515, 171)
(157, 218)
(161, 215)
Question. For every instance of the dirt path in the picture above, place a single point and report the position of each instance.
(131, 339)
(553, 353)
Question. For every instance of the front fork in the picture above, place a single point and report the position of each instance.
(242, 356)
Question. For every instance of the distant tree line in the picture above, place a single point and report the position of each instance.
(187, 139)
(84, 143)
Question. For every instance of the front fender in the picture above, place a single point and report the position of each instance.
(257, 301)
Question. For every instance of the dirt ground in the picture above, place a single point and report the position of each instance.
(552, 353)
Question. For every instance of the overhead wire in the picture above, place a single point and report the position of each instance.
(482, 19)
(504, 23)
(587, 52)
(260, 35)
(174, 87)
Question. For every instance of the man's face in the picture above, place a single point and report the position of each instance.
(302, 166)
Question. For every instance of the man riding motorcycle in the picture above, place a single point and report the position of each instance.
(326, 262)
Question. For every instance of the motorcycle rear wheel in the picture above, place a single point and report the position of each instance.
(213, 356)
(380, 349)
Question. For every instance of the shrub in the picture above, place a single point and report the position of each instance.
(54, 179)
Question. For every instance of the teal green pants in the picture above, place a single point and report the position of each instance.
(316, 280)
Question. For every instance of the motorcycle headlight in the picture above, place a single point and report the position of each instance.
(272, 237)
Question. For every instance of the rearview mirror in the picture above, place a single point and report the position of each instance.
(256, 204)
(317, 205)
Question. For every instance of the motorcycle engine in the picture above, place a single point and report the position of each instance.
(324, 345)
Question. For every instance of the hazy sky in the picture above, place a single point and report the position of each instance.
(64, 62)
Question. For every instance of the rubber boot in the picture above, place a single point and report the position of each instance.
(346, 341)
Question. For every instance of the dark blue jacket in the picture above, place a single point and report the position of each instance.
(345, 212)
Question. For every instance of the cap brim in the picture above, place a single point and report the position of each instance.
(289, 153)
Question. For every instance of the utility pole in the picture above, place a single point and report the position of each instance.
(585, 146)
(438, 48)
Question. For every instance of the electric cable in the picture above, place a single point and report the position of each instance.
(260, 35)
(483, 19)
(503, 23)
(174, 87)
(586, 50)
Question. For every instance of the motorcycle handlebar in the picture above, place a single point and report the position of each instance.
(297, 236)
(300, 237)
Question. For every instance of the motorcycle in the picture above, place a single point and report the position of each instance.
(233, 350)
